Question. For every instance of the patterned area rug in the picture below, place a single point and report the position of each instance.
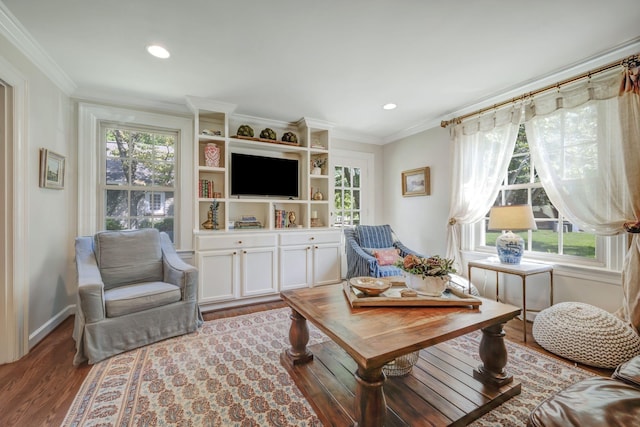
(228, 373)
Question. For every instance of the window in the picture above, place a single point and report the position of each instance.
(555, 235)
(347, 193)
(139, 178)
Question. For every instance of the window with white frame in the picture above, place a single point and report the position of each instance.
(139, 178)
(347, 194)
(555, 236)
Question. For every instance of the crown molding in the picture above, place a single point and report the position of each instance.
(15, 32)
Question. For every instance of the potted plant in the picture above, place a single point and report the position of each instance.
(316, 164)
(428, 276)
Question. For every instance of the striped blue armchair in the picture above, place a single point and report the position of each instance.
(362, 240)
(359, 243)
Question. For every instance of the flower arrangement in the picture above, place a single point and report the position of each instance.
(318, 162)
(432, 266)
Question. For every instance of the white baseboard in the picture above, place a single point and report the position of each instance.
(44, 330)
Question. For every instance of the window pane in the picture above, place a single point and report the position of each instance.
(117, 171)
(140, 203)
(117, 203)
(356, 199)
(541, 205)
(579, 243)
(516, 197)
(356, 218)
(348, 199)
(347, 177)
(338, 177)
(545, 240)
(117, 224)
(356, 177)
(338, 198)
(163, 175)
(520, 169)
(142, 173)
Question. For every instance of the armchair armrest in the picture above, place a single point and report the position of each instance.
(404, 251)
(90, 284)
(178, 272)
(361, 263)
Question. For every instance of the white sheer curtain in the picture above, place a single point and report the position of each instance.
(575, 142)
(482, 149)
(585, 143)
(629, 105)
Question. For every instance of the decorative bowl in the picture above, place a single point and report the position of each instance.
(370, 286)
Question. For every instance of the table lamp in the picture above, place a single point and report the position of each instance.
(511, 218)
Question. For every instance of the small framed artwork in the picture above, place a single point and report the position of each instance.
(51, 169)
(416, 182)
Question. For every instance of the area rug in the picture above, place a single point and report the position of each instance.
(228, 373)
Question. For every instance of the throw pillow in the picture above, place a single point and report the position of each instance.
(386, 256)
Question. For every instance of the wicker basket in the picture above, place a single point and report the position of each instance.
(401, 365)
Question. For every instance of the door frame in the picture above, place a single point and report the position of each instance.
(363, 161)
(14, 301)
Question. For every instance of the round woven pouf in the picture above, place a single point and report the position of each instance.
(586, 334)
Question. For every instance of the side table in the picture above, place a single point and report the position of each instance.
(524, 269)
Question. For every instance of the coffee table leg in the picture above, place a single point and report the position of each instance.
(371, 406)
(493, 354)
(298, 354)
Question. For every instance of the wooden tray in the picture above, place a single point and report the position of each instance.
(271, 141)
(392, 297)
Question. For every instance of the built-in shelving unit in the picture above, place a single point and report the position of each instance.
(255, 264)
(215, 123)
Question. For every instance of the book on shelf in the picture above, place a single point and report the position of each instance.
(248, 222)
(205, 189)
(280, 218)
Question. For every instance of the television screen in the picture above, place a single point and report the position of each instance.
(263, 176)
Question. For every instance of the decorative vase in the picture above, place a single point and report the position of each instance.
(212, 155)
(316, 171)
(510, 248)
(431, 286)
(318, 195)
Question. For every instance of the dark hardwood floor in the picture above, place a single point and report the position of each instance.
(38, 389)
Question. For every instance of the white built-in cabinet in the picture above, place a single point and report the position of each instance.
(237, 265)
(309, 259)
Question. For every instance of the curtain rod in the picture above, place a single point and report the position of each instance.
(601, 69)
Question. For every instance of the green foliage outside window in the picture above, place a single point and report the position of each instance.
(139, 179)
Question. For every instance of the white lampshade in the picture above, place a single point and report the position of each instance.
(509, 245)
(513, 218)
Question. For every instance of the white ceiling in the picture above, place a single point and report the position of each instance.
(332, 60)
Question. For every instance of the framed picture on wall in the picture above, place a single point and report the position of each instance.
(416, 182)
(51, 169)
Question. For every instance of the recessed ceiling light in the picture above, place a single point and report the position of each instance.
(389, 106)
(158, 51)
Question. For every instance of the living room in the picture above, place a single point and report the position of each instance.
(39, 286)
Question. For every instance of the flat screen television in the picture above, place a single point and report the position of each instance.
(253, 175)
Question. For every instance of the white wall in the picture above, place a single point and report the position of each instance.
(50, 213)
(419, 221)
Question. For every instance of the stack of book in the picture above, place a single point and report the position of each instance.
(281, 218)
(205, 189)
(248, 222)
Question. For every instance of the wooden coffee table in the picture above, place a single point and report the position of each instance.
(343, 379)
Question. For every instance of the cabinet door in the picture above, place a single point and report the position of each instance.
(217, 275)
(326, 264)
(295, 266)
(259, 271)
